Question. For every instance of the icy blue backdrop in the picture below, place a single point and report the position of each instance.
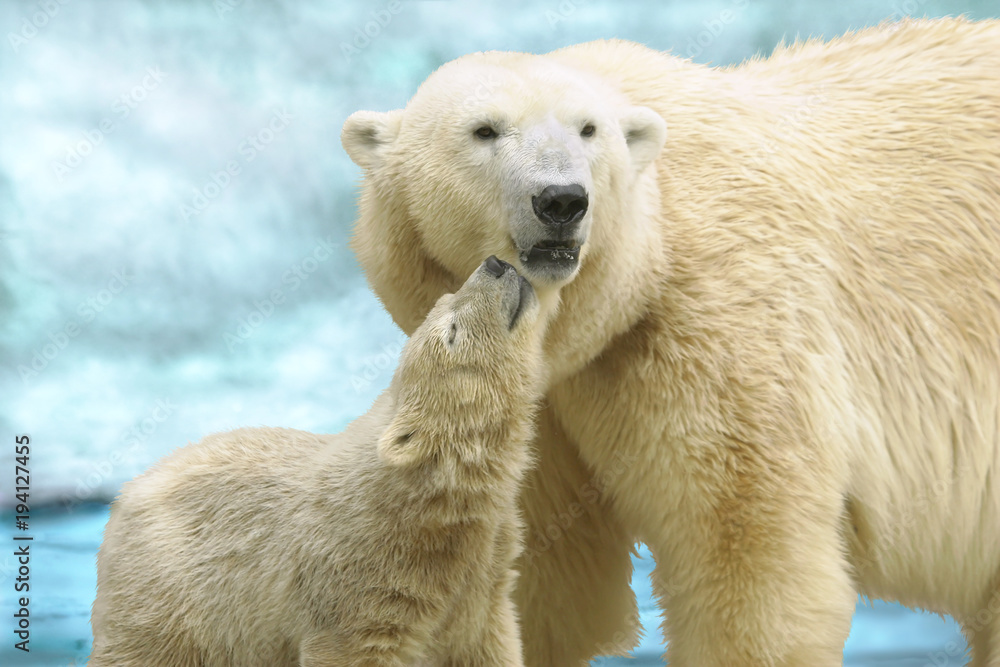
(174, 207)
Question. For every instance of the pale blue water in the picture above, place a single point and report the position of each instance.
(174, 210)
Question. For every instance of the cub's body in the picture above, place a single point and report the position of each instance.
(388, 544)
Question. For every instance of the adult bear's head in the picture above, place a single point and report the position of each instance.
(508, 154)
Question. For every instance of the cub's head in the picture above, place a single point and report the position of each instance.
(473, 367)
(509, 154)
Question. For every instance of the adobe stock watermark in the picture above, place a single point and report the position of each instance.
(900, 10)
(589, 493)
(292, 279)
(225, 7)
(714, 27)
(481, 93)
(248, 149)
(363, 35)
(31, 25)
(908, 520)
(563, 12)
(954, 653)
(788, 124)
(88, 310)
(621, 643)
(121, 108)
(376, 364)
(129, 442)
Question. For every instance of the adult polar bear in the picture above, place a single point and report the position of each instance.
(774, 344)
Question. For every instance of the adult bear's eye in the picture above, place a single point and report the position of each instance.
(588, 130)
(486, 132)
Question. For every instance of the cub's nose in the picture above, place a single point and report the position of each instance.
(560, 204)
(496, 266)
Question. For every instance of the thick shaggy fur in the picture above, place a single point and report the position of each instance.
(390, 544)
(779, 362)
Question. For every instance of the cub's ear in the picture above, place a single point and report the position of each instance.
(645, 133)
(367, 134)
(403, 443)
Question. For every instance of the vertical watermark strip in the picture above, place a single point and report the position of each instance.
(22, 542)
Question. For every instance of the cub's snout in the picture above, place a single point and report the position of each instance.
(517, 296)
(495, 266)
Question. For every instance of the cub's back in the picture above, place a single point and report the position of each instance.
(211, 535)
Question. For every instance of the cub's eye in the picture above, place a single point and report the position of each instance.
(486, 132)
(588, 130)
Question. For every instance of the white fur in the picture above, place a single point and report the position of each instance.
(389, 544)
(778, 363)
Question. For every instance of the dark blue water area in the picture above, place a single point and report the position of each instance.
(62, 582)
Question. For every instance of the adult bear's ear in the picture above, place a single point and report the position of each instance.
(403, 442)
(366, 135)
(645, 133)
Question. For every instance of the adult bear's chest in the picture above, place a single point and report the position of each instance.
(680, 414)
(637, 412)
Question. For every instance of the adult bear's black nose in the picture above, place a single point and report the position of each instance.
(496, 266)
(560, 204)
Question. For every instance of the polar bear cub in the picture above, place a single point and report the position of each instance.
(391, 543)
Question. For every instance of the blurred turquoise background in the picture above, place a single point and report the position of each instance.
(174, 210)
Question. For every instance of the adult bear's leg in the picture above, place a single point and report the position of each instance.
(573, 594)
(983, 632)
(752, 569)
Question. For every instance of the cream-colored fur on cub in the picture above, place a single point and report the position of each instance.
(775, 347)
(389, 544)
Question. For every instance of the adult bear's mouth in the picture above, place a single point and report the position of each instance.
(552, 251)
(551, 260)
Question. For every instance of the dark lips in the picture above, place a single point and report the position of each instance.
(552, 252)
